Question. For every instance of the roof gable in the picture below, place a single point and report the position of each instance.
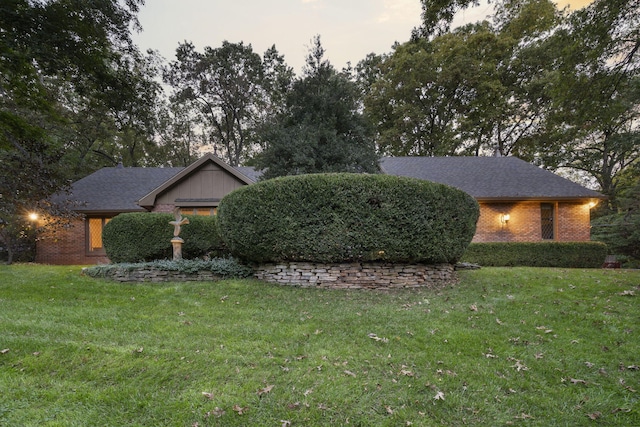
(490, 178)
(197, 187)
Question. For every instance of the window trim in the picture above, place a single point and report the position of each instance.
(554, 215)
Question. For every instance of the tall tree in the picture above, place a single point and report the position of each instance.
(476, 89)
(228, 83)
(595, 87)
(50, 52)
(321, 128)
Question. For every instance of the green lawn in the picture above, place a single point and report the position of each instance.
(518, 346)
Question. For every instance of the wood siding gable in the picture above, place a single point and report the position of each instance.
(203, 183)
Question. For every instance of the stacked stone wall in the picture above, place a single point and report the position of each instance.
(357, 275)
(330, 276)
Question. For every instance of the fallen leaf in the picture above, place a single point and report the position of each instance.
(322, 406)
(524, 416)
(389, 410)
(350, 373)
(625, 410)
(377, 338)
(627, 293)
(633, 367)
(520, 366)
(239, 409)
(217, 412)
(589, 364)
(293, 405)
(595, 415)
(407, 373)
(308, 392)
(439, 396)
(4, 351)
(499, 322)
(473, 307)
(576, 381)
(285, 423)
(265, 390)
(207, 395)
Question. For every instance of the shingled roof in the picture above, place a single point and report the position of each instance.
(490, 178)
(117, 189)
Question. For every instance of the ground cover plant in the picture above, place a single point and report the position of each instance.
(520, 346)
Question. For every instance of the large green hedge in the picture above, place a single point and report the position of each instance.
(347, 217)
(537, 254)
(135, 237)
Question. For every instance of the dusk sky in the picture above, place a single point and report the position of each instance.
(349, 29)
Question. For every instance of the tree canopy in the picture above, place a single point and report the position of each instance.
(320, 128)
(67, 71)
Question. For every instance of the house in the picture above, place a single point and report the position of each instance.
(196, 189)
(518, 201)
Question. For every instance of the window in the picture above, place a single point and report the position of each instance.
(547, 220)
(94, 235)
(209, 211)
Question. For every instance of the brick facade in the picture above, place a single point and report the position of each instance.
(67, 246)
(571, 222)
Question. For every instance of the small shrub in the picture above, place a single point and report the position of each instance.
(141, 236)
(537, 254)
(226, 268)
(347, 217)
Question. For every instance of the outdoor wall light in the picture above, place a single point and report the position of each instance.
(504, 218)
(33, 216)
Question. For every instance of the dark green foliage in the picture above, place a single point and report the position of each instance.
(537, 254)
(320, 129)
(201, 238)
(225, 268)
(621, 232)
(135, 237)
(347, 217)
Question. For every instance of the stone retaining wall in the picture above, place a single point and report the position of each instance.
(333, 276)
(358, 275)
(154, 275)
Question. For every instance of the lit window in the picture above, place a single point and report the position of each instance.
(208, 211)
(94, 234)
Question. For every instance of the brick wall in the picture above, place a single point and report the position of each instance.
(66, 246)
(163, 208)
(572, 222)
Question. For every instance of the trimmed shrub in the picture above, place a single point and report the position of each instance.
(201, 237)
(141, 236)
(537, 254)
(347, 217)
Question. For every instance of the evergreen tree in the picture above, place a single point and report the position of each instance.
(320, 128)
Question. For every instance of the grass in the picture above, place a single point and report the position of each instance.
(519, 346)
